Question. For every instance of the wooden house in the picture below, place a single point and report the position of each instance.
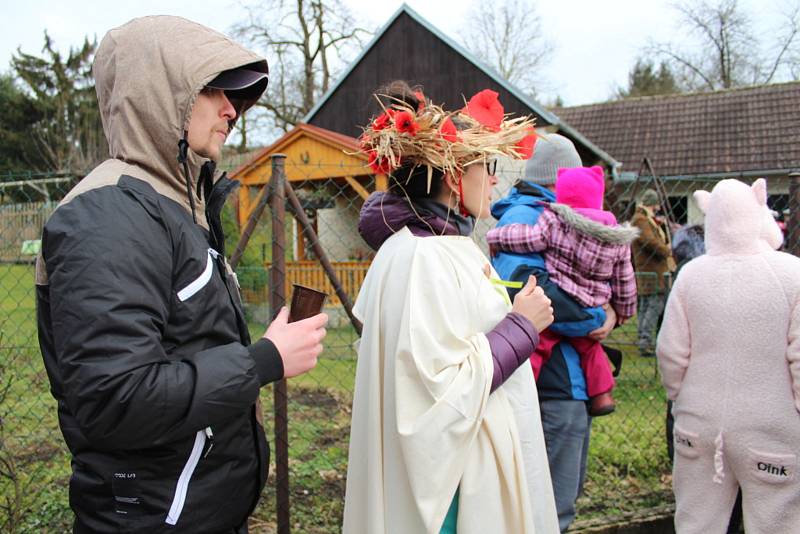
(321, 151)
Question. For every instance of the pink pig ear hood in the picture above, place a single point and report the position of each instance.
(736, 218)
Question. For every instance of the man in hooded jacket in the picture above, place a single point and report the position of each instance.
(140, 322)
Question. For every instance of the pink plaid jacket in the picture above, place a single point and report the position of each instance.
(591, 262)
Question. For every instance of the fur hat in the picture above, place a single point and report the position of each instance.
(648, 197)
(553, 152)
(688, 243)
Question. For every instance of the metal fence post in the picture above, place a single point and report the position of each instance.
(276, 301)
(793, 222)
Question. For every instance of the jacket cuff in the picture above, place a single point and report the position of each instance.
(525, 327)
(269, 364)
(512, 342)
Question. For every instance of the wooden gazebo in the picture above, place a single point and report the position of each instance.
(316, 158)
(312, 154)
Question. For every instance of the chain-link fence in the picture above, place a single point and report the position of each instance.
(629, 469)
(34, 462)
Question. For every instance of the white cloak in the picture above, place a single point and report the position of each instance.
(423, 422)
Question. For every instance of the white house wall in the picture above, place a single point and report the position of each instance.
(338, 230)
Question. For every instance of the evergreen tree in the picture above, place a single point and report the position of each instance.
(68, 133)
(645, 80)
(18, 113)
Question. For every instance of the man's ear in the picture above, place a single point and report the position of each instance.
(702, 198)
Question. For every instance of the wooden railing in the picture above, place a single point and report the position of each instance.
(311, 274)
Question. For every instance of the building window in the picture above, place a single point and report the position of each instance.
(680, 208)
(779, 203)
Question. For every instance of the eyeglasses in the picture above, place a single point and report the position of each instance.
(491, 166)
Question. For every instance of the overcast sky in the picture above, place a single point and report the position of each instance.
(596, 42)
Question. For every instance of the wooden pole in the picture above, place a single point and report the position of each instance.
(255, 215)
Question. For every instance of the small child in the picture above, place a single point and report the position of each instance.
(588, 255)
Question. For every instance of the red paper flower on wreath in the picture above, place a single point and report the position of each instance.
(448, 130)
(378, 165)
(384, 120)
(485, 108)
(526, 145)
(405, 123)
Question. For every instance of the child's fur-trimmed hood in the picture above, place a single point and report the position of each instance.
(623, 234)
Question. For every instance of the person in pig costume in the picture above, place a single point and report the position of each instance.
(729, 355)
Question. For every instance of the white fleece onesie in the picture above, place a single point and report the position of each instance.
(729, 354)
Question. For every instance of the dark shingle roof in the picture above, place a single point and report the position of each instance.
(410, 48)
(745, 129)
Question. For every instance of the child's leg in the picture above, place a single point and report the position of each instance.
(595, 366)
(547, 340)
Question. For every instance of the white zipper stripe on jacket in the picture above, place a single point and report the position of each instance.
(183, 482)
(200, 282)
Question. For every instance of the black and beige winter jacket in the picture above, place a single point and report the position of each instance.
(140, 323)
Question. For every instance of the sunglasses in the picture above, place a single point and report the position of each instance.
(491, 166)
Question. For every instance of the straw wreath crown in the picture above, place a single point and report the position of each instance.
(428, 136)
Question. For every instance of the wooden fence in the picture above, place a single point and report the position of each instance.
(311, 274)
(20, 223)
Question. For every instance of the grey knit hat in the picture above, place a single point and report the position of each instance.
(551, 152)
(648, 197)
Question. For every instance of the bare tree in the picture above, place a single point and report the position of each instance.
(305, 41)
(508, 36)
(725, 50)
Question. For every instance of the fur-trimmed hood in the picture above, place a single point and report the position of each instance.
(623, 234)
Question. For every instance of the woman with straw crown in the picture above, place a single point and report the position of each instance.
(446, 435)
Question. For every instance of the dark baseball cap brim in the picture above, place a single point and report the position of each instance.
(242, 83)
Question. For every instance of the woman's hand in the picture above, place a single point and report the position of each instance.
(533, 304)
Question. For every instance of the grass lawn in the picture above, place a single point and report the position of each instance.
(628, 466)
(35, 460)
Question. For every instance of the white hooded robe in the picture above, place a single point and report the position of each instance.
(423, 422)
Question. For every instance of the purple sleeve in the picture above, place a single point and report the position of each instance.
(512, 342)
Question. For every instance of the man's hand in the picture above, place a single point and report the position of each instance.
(532, 303)
(299, 343)
(611, 321)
